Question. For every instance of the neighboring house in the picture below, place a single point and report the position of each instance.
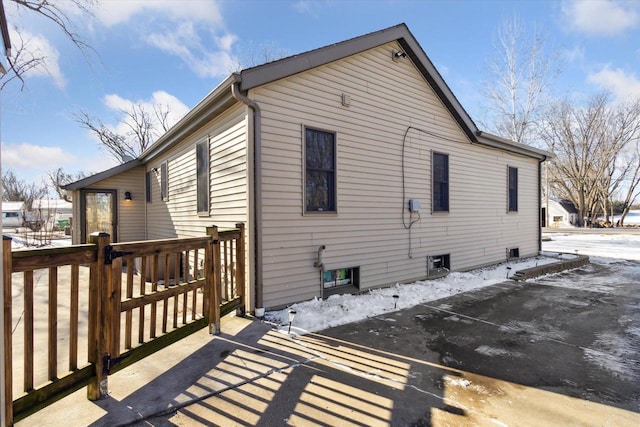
(353, 167)
(559, 213)
(12, 214)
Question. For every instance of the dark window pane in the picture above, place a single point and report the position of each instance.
(440, 182)
(147, 186)
(164, 181)
(513, 189)
(320, 171)
(319, 149)
(202, 171)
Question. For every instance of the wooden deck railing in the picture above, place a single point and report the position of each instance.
(107, 306)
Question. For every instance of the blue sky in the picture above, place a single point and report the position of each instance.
(175, 52)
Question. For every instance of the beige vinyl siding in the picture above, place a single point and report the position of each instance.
(131, 214)
(178, 216)
(76, 238)
(367, 231)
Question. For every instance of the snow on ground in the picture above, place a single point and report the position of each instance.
(632, 218)
(23, 239)
(622, 246)
(318, 314)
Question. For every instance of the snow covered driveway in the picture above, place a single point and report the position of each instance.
(561, 349)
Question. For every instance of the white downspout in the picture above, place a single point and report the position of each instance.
(257, 187)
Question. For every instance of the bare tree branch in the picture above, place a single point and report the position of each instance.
(56, 14)
(16, 190)
(520, 75)
(588, 143)
(23, 59)
(144, 127)
(59, 178)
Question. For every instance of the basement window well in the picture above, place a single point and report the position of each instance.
(438, 265)
(342, 280)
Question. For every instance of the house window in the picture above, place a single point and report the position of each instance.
(147, 186)
(320, 171)
(164, 181)
(440, 182)
(438, 264)
(342, 280)
(202, 171)
(513, 189)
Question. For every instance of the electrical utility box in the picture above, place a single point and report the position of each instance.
(414, 205)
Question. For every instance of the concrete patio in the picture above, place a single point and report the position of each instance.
(516, 353)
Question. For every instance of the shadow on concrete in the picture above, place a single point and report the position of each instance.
(516, 353)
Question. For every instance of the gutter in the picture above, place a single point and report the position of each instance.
(257, 185)
(500, 143)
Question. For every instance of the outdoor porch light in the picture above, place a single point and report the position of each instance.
(292, 315)
(397, 55)
(127, 195)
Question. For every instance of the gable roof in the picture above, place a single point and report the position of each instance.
(90, 180)
(272, 71)
(221, 98)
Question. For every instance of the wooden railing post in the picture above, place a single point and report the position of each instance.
(240, 269)
(213, 267)
(100, 325)
(8, 362)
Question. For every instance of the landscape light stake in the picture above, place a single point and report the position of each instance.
(292, 315)
(508, 270)
(395, 301)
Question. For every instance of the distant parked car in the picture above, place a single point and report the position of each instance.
(12, 219)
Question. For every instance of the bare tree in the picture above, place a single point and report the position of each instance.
(23, 58)
(59, 178)
(520, 75)
(261, 54)
(587, 143)
(143, 127)
(14, 189)
(628, 180)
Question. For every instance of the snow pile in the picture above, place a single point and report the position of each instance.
(318, 314)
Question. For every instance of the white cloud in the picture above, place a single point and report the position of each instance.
(29, 156)
(226, 41)
(111, 13)
(577, 54)
(623, 85)
(37, 48)
(307, 7)
(601, 17)
(193, 31)
(185, 43)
